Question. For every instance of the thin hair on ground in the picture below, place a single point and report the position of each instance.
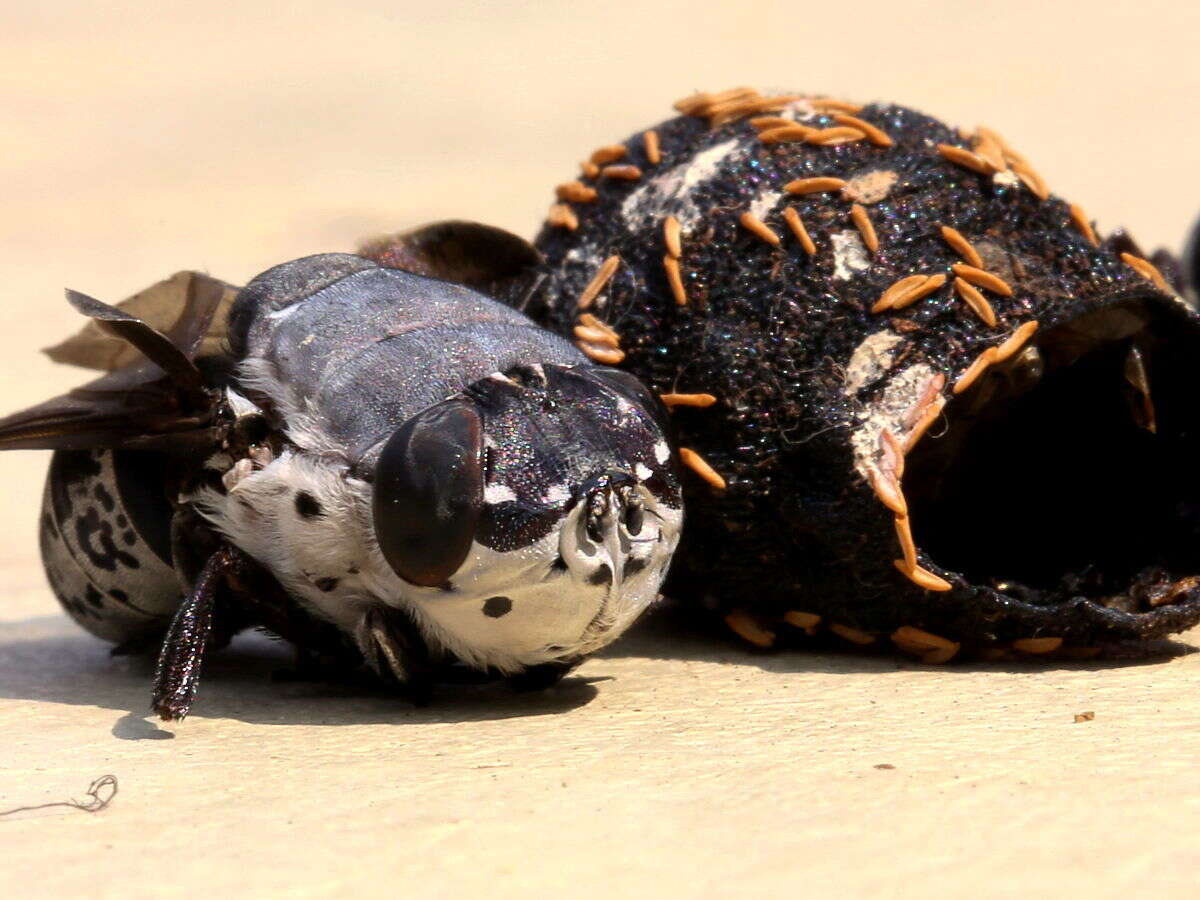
(101, 791)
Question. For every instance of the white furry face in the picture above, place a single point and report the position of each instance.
(565, 595)
(572, 513)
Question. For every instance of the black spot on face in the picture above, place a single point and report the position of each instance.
(602, 575)
(633, 566)
(495, 607)
(130, 538)
(307, 506)
(122, 521)
(326, 584)
(119, 595)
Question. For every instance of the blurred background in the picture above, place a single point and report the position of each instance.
(140, 138)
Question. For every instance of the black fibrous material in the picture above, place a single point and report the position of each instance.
(1055, 496)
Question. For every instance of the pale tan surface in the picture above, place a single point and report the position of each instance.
(141, 140)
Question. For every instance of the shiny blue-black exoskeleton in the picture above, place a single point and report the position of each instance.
(376, 462)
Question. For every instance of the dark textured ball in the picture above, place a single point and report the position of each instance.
(946, 412)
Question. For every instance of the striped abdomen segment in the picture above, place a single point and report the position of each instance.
(104, 534)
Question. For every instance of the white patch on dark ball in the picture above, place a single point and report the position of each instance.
(888, 411)
(870, 360)
(762, 205)
(671, 191)
(849, 254)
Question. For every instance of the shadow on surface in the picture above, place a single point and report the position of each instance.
(49, 659)
(675, 632)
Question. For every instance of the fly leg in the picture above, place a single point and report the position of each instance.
(393, 649)
(178, 672)
(540, 677)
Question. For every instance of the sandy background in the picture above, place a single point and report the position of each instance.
(146, 138)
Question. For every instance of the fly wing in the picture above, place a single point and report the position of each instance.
(488, 259)
(159, 306)
(159, 401)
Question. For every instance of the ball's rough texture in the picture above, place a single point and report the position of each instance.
(945, 412)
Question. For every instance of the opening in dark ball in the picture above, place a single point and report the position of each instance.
(1072, 468)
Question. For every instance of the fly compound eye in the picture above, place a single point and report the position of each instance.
(429, 492)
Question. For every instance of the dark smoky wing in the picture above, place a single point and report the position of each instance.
(1190, 264)
(153, 344)
(190, 307)
(483, 257)
(1171, 268)
(162, 401)
(113, 411)
(203, 302)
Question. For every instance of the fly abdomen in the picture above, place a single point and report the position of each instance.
(104, 535)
